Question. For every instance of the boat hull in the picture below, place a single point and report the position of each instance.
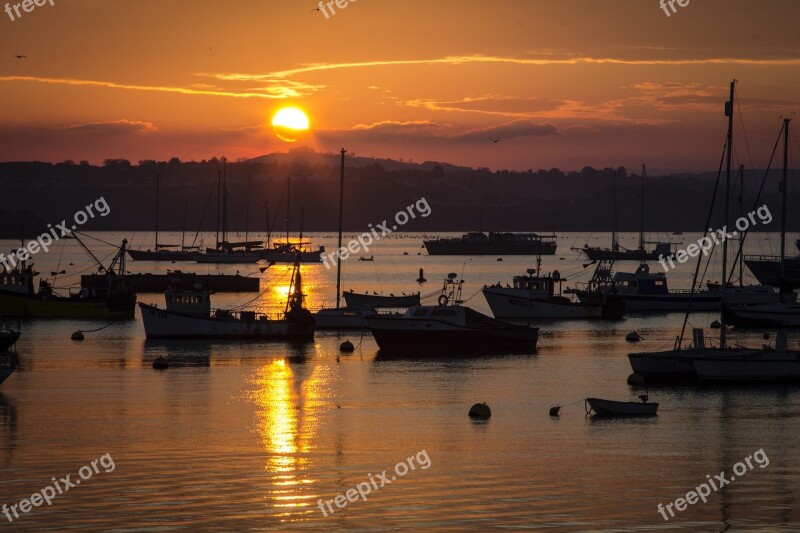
(465, 248)
(163, 324)
(122, 306)
(354, 299)
(517, 304)
(5, 372)
(768, 271)
(164, 255)
(227, 259)
(677, 364)
(611, 408)
(766, 316)
(763, 367)
(343, 318)
(403, 336)
(8, 339)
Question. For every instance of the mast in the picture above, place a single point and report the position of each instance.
(729, 114)
(158, 179)
(266, 216)
(339, 247)
(288, 206)
(219, 202)
(741, 234)
(224, 201)
(614, 243)
(786, 122)
(183, 231)
(247, 222)
(641, 216)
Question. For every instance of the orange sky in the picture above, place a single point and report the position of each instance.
(562, 83)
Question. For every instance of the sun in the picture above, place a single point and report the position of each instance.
(289, 124)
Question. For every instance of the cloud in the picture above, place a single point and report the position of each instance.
(512, 130)
(280, 90)
(113, 127)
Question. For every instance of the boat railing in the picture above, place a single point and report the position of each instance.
(768, 258)
(249, 316)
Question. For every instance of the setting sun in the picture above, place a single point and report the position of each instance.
(289, 123)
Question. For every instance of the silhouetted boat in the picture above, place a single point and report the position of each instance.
(618, 252)
(112, 299)
(188, 314)
(611, 408)
(379, 301)
(496, 243)
(9, 335)
(767, 365)
(534, 297)
(449, 329)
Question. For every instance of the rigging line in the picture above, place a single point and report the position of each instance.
(91, 267)
(744, 130)
(60, 256)
(205, 209)
(705, 233)
(262, 293)
(755, 202)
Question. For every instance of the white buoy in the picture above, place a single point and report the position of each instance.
(633, 337)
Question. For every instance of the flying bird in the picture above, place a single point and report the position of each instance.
(21, 57)
(495, 140)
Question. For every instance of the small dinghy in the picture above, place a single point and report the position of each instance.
(609, 408)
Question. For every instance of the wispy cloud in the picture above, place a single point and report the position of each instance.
(112, 127)
(287, 89)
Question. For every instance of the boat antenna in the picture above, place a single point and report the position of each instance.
(614, 238)
(339, 247)
(266, 217)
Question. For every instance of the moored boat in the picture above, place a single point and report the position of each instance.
(534, 297)
(611, 408)
(111, 299)
(450, 329)
(188, 314)
(495, 243)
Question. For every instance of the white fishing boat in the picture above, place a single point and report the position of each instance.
(769, 364)
(188, 314)
(534, 297)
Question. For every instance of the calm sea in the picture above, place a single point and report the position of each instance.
(250, 436)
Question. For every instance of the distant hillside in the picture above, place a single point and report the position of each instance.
(461, 198)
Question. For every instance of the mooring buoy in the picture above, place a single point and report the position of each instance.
(77, 336)
(554, 411)
(636, 379)
(160, 363)
(633, 337)
(481, 411)
(346, 347)
(716, 324)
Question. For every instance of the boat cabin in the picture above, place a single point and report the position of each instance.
(18, 280)
(191, 302)
(641, 282)
(541, 287)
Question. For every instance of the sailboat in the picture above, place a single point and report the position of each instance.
(164, 252)
(678, 363)
(226, 252)
(781, 314)
(617, 252)
(358, 307)
(290, 252)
